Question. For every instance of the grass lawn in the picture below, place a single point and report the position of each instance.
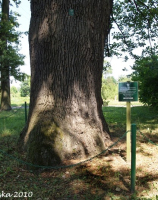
(123, 104)
(106, 177)
(19, 101)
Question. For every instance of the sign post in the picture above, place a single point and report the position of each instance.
(133, 157)
(128, 128)
(128, 91)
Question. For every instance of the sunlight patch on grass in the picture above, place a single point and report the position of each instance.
(19, 101)
(6, 132)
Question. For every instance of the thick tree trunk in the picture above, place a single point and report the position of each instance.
(5, 78)
(66, 48)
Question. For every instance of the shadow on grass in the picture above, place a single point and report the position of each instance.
(149, 138)
(100, 179)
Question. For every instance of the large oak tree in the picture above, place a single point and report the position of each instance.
(67, 39)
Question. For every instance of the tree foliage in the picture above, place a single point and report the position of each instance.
(109, 84)
(109, 89)
(25, 88)
(146, 72)
(124, 78)
(17, 2)
(135, 25)
(14, 91)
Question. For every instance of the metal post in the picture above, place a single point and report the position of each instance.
(25, 111)
(128, 128)
(133, 157)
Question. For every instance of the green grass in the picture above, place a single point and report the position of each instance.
(13, 120)
(143, 116)
(94, 180)
(19, 101)
(119, 103)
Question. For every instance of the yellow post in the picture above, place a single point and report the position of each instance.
(128, 128)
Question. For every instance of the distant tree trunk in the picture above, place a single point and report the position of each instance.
(5, 89)
(5, 78)
(65, 120)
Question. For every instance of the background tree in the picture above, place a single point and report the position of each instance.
(124, 78)
(10, 59)
(146, 73)
(109, 89)
(5, 82)
(25, 88)
(135, 25)
(13, 91)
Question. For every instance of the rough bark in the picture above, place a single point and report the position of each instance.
(5, 78)
(66, 50)
(5, 89)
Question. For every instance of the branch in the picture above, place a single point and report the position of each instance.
(124, 37)
(145, 4)
(148, 21)
(146, 7)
